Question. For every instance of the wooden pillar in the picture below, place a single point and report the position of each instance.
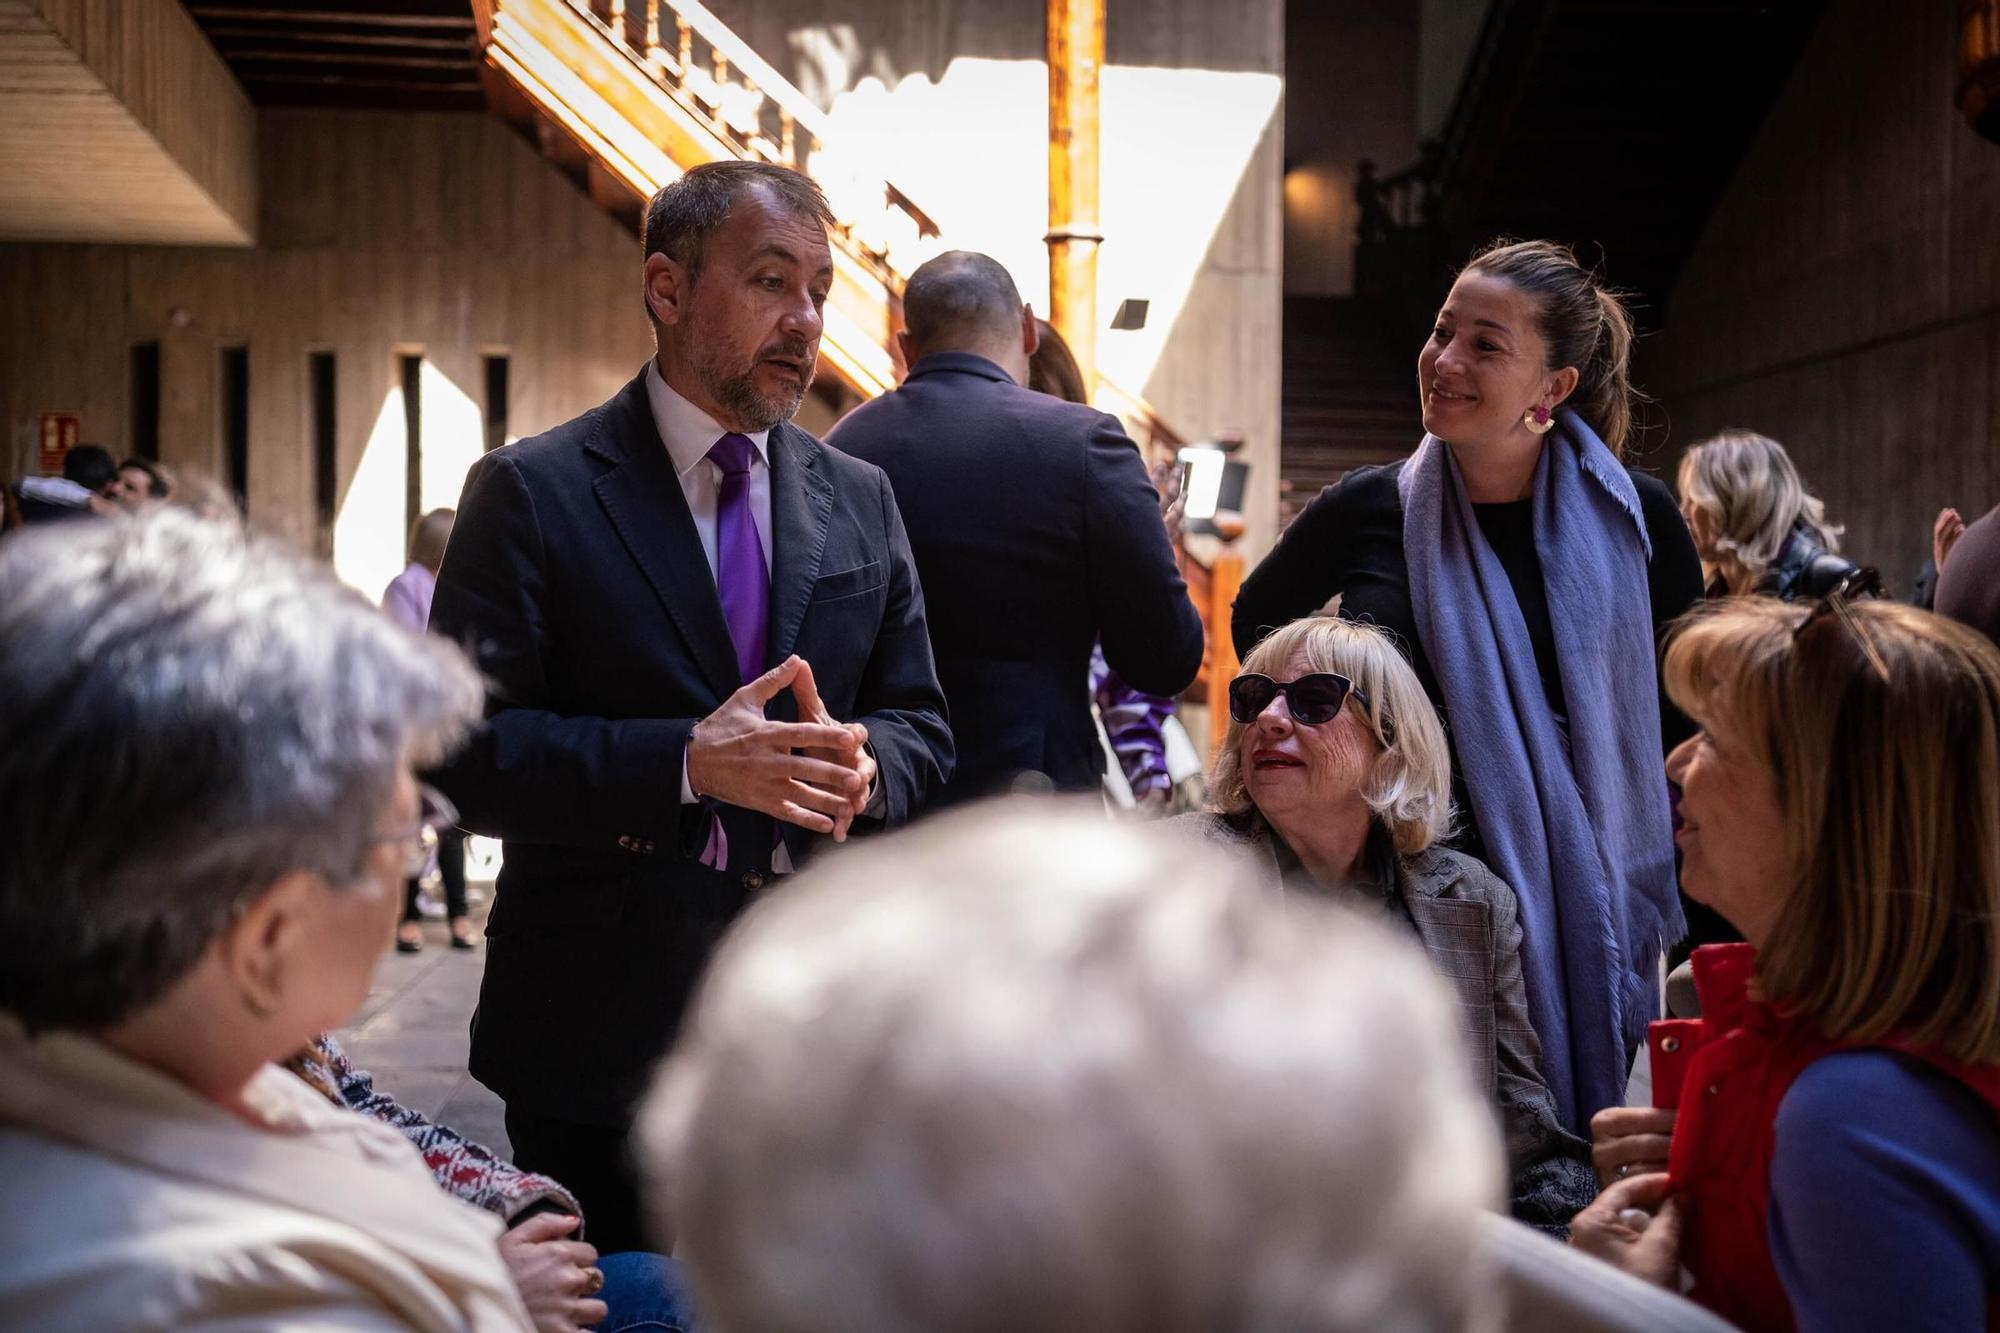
(1076, 59)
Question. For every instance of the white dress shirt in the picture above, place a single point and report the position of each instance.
(689, 433)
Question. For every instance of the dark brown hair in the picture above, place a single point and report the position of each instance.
(428, 536)
(1585, 324)
(1052, 369)
(159, 483)
(684, 212)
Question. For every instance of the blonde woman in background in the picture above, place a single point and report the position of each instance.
(1756, 527)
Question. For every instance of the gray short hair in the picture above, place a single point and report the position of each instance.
(1023, 1067)
(958, 300)
(190, 713)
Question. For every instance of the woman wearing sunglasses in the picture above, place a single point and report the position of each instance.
(1336, 779)
(1526, 572)
(1835, 1159)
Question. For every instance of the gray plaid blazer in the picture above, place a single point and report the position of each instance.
(1470, 928)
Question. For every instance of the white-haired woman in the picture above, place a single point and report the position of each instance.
(206, 756)
(1022, 1068)
(1336, 777)
(1756, 527)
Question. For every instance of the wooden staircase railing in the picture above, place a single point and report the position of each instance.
(635, 93)
(1213, 588)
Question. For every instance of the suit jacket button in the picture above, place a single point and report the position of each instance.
(753, 881)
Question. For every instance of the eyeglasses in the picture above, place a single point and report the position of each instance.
(420, 843)
(1313, 699)
(1856, 583)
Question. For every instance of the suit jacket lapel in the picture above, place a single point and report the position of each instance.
(642, 498)
(801, 512)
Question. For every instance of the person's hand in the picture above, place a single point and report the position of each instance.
(1166, 478)
(739, 756)
(558, 1279)
(854, 756)
(1945, 534)
(1634, 1227)
(1629, 1141)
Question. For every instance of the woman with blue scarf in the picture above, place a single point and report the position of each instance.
(1526, 574)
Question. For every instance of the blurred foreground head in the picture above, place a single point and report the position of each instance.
(1025, 1068)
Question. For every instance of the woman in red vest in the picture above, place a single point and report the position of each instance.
(1835, 1163)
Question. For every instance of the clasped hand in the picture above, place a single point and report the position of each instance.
(1634, 1224)
(816, 772)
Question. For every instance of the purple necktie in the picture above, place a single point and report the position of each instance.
(741, 577)
(743, 582)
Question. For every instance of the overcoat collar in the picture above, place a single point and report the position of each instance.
(962, 363)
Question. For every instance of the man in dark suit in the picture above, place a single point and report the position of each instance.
(707, 647)
(1035, 529)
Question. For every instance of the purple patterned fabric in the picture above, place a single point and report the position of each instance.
(1132, 722)
(462, 1168)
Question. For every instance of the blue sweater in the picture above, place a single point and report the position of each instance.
(1885, 1197)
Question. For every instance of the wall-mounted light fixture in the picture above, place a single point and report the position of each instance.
(1213, 488)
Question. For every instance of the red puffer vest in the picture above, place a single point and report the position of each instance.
(1740, 1058)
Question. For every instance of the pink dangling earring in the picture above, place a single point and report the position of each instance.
(1538, 420)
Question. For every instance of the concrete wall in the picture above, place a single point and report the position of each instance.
(381, 235)
(1845, 295)
(1351, 93)
(385, 234)
(118, 122)
(1450, 29)
(950, 98)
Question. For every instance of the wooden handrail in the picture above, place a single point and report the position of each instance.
(716, 75)
(1213, 589)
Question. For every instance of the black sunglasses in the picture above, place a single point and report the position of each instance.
(1313, 699)
(1855, 584)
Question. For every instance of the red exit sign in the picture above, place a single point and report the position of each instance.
(59, 434)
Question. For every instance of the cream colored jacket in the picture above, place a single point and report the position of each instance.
(129, 1202)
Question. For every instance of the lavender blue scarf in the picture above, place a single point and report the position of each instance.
(1576, 822)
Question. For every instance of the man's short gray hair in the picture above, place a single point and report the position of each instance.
(187, 713)
(962, 299)
(1026, 1068)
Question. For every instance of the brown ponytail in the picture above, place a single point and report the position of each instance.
(1585, 324)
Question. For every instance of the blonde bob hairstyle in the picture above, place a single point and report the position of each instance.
(1410, 787)
(1751, 493)
(1881, 727)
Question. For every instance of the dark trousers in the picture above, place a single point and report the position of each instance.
(593, 1162)
(451, 869)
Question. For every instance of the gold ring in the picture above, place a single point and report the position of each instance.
(593, 1280)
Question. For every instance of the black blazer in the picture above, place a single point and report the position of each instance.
(1036, 532)
(576, 578)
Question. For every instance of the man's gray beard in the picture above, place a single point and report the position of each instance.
(741, 397)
